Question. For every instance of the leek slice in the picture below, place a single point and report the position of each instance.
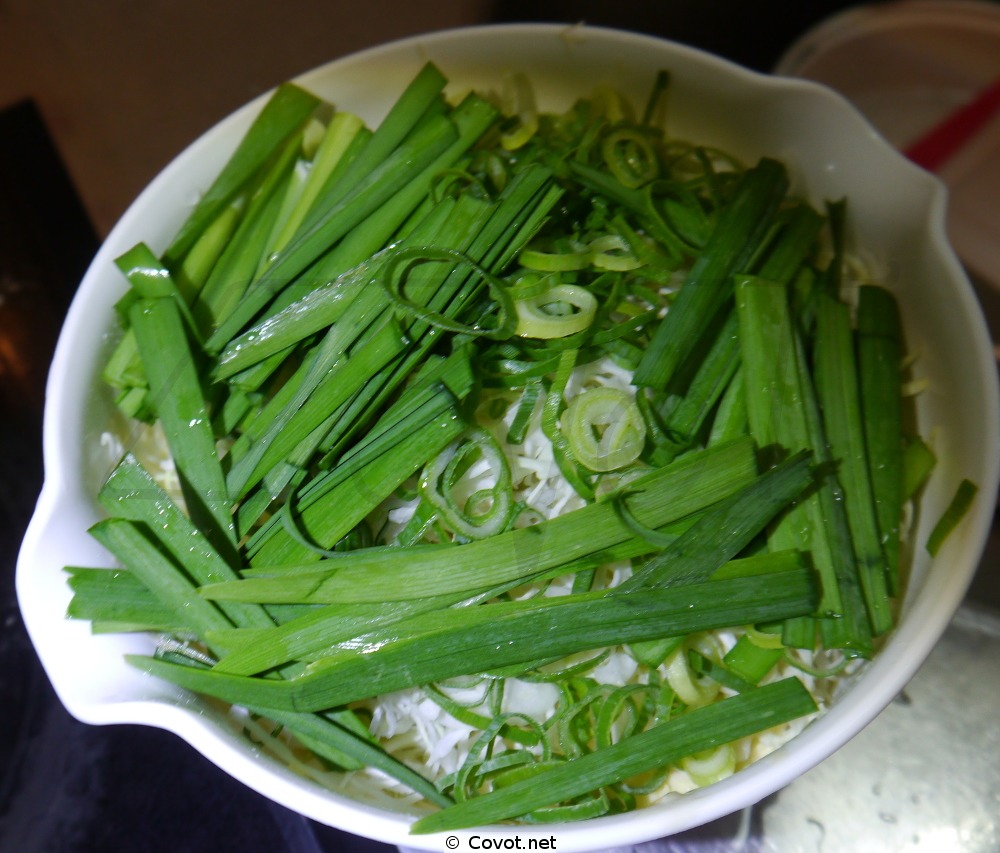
(605, 428)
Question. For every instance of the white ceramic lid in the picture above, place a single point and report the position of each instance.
(906, 65)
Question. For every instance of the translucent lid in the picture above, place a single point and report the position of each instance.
(906, 65)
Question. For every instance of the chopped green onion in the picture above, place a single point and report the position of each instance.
(837, 384)
(604, 428)
(962, 500)
(742, 224)
(631, 158)
(442, 478)
(688, 734)
(560, 311)
(461, 641)
(918, 462)
(285, 112)
(177, 395)
(880, 354)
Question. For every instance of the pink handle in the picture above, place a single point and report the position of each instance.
(944, 139)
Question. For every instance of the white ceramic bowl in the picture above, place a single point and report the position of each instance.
(897, 216)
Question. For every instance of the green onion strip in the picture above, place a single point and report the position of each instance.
(604, 428)
(482, 512)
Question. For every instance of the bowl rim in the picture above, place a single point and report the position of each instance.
(818, 741)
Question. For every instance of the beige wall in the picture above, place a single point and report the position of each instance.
(124, 85)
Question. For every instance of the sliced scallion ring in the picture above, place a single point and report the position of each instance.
(612, 252)
(691, 690)
(447, 485)
(579, 258)
(710, 766)
(609, 103)
(763, 640)
(562, 310)
(528, 285)
(605, 428)
(395, 273)
(630, 157)
(522, 96)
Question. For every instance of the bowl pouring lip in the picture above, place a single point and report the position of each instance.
(895, 665)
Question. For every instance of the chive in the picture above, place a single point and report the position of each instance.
(831, 544)
(318, 395)
(345, 506)
(419, 99)
(312, 240)
(962, 500)
(776, 410)
(918, 462)
(471, 117)
(332, 740)
(662, 745)
(148, 277)
(239, 261)
(315, 405)
(123, 369)
(664, 495)
(151, 280)
(879, 356)
(730, 420)
(117, 596)
(426, 401)
(735, 239)
(837, 216)
(750, 661)
(529, 190)
(448, 643)
(131, 493)
(713, 377)
(352, 299)
(131, 490)
(313, 633)
(315, 311)
(178, 398)
(798, 228)
(132, 546)
(839, 395)
(205, 253)
(724, 530)
(341, 131)
(766, 562)
(283, 114)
